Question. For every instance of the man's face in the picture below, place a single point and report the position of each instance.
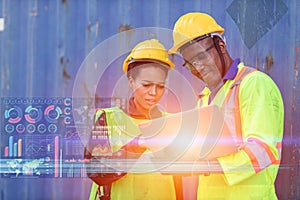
(203, 60)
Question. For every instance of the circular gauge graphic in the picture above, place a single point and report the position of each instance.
(67, 101)
(13, 101)
(48, 101)
(25, 101)
(19, 101)
(67, 110)
(67, 120)
(42, 128)
(56, 101)
(20, 128)
(33, 115)
(52, 128)
(6, 101)
(9, 128)
(31, 128)
(52, 113)
(13, 115)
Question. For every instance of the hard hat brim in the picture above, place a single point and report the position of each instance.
(169, 65)
(175, 49)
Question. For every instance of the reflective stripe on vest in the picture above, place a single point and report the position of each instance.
(232, 102)
(258, 151)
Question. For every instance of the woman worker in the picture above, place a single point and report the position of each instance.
(146, 68)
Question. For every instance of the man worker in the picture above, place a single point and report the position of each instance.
(253, 110)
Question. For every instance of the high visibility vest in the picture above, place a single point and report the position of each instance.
(131, 186)
(250, 173)
(232, 103)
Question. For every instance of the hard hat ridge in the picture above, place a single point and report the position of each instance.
(191, 26)
(148, 51)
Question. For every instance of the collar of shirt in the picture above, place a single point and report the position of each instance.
(230, 75)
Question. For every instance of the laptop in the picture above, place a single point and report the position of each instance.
(197, 134)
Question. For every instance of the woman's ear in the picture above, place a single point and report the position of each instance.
(131, 82)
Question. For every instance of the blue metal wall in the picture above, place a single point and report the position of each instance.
(44, 43)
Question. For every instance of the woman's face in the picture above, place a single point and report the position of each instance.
(148, 85)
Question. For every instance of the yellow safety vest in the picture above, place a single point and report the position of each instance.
(133, 186)
(254, 112)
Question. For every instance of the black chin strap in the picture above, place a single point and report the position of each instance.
(216, 43)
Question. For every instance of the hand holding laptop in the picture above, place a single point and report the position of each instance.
(198, 134)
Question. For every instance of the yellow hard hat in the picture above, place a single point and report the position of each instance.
(148, 51)
(191, 26)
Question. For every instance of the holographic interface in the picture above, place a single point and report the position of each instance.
(39, 138)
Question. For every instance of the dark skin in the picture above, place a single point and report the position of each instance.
(207, 66)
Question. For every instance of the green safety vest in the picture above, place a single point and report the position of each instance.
(131, 186)
(254, 113)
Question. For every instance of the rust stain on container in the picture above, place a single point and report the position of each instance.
(296, 60)
(65, 65)
(66, 74)
(125, 27)
(269, 61)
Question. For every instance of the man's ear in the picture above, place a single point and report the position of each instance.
(222, 46)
